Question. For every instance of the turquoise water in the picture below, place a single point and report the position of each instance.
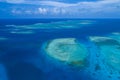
(60, 49)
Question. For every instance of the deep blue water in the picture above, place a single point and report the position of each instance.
(21, 56)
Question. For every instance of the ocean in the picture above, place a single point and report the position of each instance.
(30, 49)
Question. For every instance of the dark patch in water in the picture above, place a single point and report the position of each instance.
(97, 67)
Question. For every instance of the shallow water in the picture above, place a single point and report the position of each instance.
(23, 55)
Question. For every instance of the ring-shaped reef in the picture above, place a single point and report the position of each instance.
(68, 50)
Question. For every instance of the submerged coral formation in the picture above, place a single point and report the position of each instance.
(68, 50)
(104, 40)
(69, 24)
(3, 38)
(109, 49)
